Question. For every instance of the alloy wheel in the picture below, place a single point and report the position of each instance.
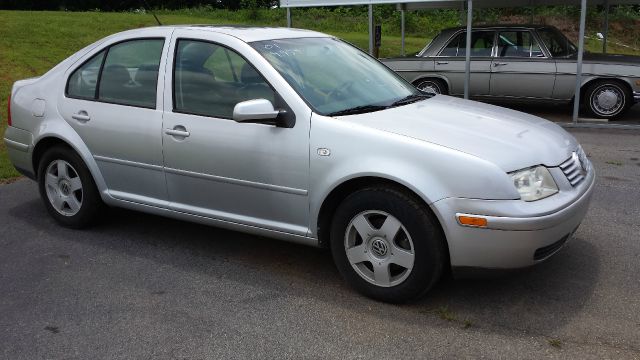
(63, 187)
(379, 248)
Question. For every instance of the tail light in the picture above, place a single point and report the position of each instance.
(9, 111)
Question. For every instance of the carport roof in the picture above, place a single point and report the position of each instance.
(418, 4)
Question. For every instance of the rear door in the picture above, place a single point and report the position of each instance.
(451, 62)
(521, 69)
(111, 100)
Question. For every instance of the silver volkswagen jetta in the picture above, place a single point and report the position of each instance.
(297, 135)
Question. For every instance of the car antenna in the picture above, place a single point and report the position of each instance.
(154, 15)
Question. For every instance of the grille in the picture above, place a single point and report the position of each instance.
(576, 167)
(546, 251)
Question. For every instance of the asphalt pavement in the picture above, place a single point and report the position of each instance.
(144, 287)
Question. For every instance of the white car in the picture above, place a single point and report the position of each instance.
(297, 135)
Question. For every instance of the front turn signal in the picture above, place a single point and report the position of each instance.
(474, 221)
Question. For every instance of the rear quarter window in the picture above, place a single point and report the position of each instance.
(82, 82)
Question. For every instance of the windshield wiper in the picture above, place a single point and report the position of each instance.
(358, 110)
(411, 98)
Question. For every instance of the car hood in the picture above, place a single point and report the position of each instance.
(510, 139)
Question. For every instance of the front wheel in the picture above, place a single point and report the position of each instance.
(387, 245)
(67, 188)
(607, 99)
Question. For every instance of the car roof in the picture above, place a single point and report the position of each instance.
(251, 33)
(497, 26)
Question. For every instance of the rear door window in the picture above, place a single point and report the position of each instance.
(130, 73)
(124, 73)
(518, 44)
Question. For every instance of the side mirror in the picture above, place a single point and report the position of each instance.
(257, 110)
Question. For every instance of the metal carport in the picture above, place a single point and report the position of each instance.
(457, 4)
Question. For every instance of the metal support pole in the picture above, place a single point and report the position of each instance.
(467, 60)
(533, 11)
(371, 30)
(605, 31)
(576, 97)
(289, 17)
(402, 30)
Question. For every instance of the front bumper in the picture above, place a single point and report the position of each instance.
(537, 231)
(636, 96)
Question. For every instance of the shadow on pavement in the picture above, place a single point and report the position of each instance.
(537, 300)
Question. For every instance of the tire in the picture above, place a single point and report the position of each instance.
(395, 278)
(607, 99)
(67, 188)
(432, 86)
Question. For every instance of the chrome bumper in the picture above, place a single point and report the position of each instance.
(636, 96)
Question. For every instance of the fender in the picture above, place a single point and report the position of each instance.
(424, 168)
(60, 129)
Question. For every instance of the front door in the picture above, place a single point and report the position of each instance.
(111, 102)
(248, 173)
(520, 68)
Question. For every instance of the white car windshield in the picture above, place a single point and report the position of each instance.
(336, 78)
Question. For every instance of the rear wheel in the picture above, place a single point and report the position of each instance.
(387, 245)
(67, 188)
(431, 86)
(607, 99)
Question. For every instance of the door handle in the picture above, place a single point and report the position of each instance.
(499, 64)
(442, 62)
(177, 131)
(81, 116)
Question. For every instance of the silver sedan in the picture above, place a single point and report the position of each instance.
(297, 135)
(523, 63)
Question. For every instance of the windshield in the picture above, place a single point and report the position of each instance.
(335, 78)
(556, 42)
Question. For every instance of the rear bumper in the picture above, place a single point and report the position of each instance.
(636, 96)
(20, 148)
(511, 242)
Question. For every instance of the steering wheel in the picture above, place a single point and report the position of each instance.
(339, 91)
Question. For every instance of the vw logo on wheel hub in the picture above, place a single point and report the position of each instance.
(379, 248)
(65, 187)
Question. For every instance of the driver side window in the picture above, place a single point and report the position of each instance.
(210, 79)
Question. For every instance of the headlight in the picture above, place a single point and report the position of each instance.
(534, 183)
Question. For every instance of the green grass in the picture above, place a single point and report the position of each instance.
(33, 42)
(556, 343)
(446, 314)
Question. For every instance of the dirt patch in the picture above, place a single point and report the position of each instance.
(10, 180)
